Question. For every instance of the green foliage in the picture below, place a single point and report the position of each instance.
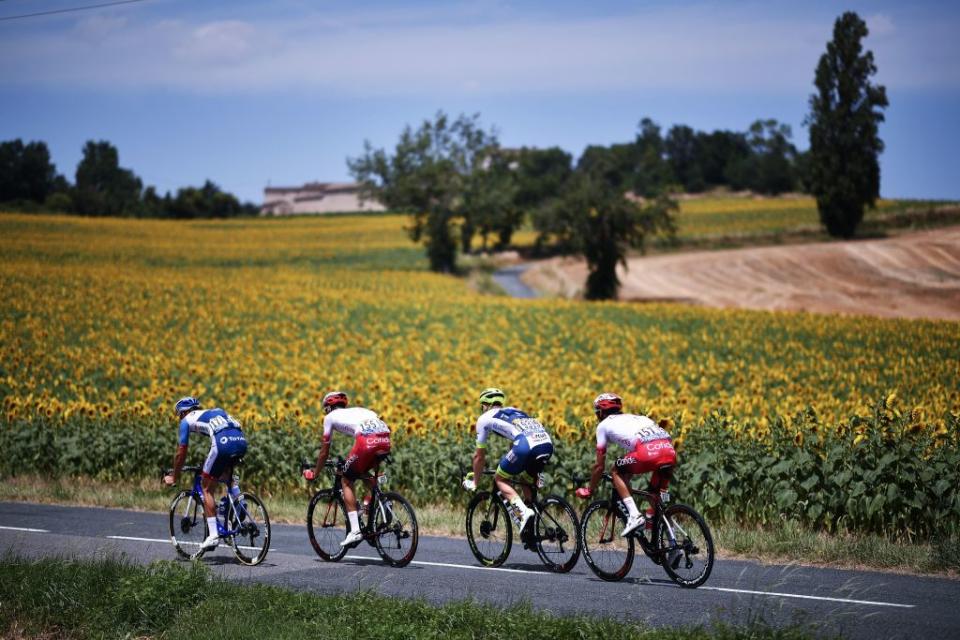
(103, 187)
(427, 176)
(881, 475)
(26, 172)
(593, 218)
(844, 118)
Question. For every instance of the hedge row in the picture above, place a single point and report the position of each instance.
(883, 474)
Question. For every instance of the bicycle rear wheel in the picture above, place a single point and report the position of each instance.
(188, 527)
(686, 546)
(489, 530)
(608, 554)
(327, 524)
(395, 529)
(250, 520)
(557, 534)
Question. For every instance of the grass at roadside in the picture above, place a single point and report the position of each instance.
(787, 543)
(111, 598)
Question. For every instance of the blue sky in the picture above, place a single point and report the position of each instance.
(247, 93)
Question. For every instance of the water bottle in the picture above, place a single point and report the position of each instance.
(224, 504)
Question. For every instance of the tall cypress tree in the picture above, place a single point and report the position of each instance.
(845, 114)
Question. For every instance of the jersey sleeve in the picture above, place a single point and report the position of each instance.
(327, 428)
(184, 434)
(601, 439)
(481, 434)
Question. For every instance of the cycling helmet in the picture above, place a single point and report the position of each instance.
(492, 396)
(334, 400)
(186, 403)
(607, 403)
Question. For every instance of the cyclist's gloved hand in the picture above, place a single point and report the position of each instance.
(584, 492)
(468, 482)
(308, 474)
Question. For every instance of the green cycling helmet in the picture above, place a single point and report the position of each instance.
(492, 396)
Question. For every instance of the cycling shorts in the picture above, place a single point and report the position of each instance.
(523, 458)
(367, 451)
(649, 456)
(228, 446)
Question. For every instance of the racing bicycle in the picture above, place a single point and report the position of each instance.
(552, 532)
(388, 523)
(677, 538)
(244, 523)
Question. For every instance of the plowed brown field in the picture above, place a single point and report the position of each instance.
(915, 275)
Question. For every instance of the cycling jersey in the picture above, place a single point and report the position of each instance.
(510, 423)
(530, 447)
(371, 438)
(627, 430)
(648, 444)
(227, 442)
(353, 421)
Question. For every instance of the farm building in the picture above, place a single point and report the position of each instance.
(317, 198)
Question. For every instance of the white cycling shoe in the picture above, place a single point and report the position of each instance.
(353, 536)
(211, 543)
(632, 523)
(525, 518)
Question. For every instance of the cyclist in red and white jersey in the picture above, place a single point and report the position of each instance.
(649, 447)
(371, 444)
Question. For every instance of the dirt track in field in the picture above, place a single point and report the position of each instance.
(915, 275)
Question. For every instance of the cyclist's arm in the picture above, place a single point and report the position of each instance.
(322, 457)
(183, 439)
(479, 459)
(597, 469)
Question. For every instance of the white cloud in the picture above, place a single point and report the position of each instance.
(468, 51)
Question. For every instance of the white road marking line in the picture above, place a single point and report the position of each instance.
(450, 565)
(804, 597)
(454, 566)
(25, 529)
(167, 541)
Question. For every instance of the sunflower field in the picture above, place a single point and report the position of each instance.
(848, 422)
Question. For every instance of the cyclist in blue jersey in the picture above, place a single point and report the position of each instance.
(529, 452)
(227, 445)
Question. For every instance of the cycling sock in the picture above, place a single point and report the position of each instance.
(354, 520)
(212, 526)
(631, 507)
(519, 508)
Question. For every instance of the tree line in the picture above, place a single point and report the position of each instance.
(458, 183)
(29, 182)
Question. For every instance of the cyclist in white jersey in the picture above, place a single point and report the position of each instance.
(530, 450)
(649, 447)
(227, 445)
(371, 438)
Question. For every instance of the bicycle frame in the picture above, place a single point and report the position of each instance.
(237, 507)
(377, 503)
(650, 547)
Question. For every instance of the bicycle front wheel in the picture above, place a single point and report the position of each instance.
(686, 546)
(249, 518)
(489, 530)
(557, 534)
(608, 554)
(327, 524)
(188, 527)
(395, 530)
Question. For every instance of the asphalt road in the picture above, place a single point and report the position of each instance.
(509, 279)
(856, 604)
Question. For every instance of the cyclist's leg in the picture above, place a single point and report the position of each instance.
(623, 470)
(511, 465)
(537, 460)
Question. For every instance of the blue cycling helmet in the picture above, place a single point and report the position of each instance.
(187, 403)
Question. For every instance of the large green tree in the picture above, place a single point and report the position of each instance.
(26, 172)
(593, 217)
(428, 175)
(844, 119)
(103, 187)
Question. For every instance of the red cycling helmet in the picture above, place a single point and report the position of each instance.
(607, 403)
(334, 400)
